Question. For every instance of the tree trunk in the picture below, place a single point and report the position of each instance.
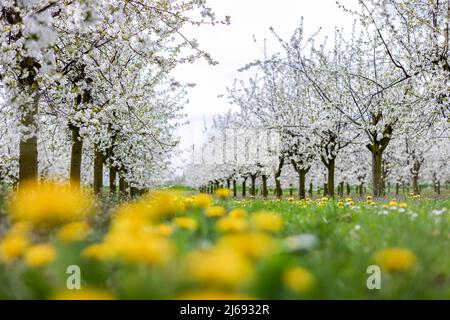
(291, 190)
(253, 188)
(112, 180)
(341, 189)
(234, 188)
(265, 192)
(134, 191)
(123, 186)
(330, 178)
(415, 182)
(361, 189)
(98, 171)
(278, 188)
(301, 184)
(28, 157)
(76, 156)
(244, 188)
(348, 189)
(228, 184)
(438, 187)
(377, 169)
(310, 190)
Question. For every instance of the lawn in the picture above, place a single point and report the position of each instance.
(175, 245)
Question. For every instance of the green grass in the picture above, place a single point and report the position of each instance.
(347, 239)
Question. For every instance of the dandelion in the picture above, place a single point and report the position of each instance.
(238, 213)
(202, 200)
(290, 199)
(267, 221)
(221, 266)
(215, 211)
(298, 279)
(49, 204)
(98, 251)
(231, 224)
(403, 205)
(396, 259)
(140, 248)
(164, 230)
(223, 193)
(186, 223)
(392, 203)
(13, 246)
(40, 255)
(166, 203)
(74, 231)
(252, 244)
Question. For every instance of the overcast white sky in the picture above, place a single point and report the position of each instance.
(232, 46)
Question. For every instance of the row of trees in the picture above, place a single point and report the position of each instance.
(87, 84)
(369, 108)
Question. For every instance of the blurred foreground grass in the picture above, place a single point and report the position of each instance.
(172, 245)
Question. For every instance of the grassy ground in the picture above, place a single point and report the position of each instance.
(349, 237)
(318, 249)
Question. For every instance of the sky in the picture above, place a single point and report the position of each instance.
(233, 47)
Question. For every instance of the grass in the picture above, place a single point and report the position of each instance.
(349, 237)
(343, 240)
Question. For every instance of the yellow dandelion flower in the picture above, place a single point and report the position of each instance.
(267, 221)
(13, 246)
(98, 251)
(74, 231)
(238, 213)
(396, 259)
(298, 279)
(403, 205)
(202, 200)
(166, 203)
(83, 294)
(252, 244)
(220, 266)
(129, 221)
(40, 255)
(215, 211)
(140, 248)
(48, 204)
(164, 230)
(186, 223)
(231, 224)
(393, 203)
(223, 193)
